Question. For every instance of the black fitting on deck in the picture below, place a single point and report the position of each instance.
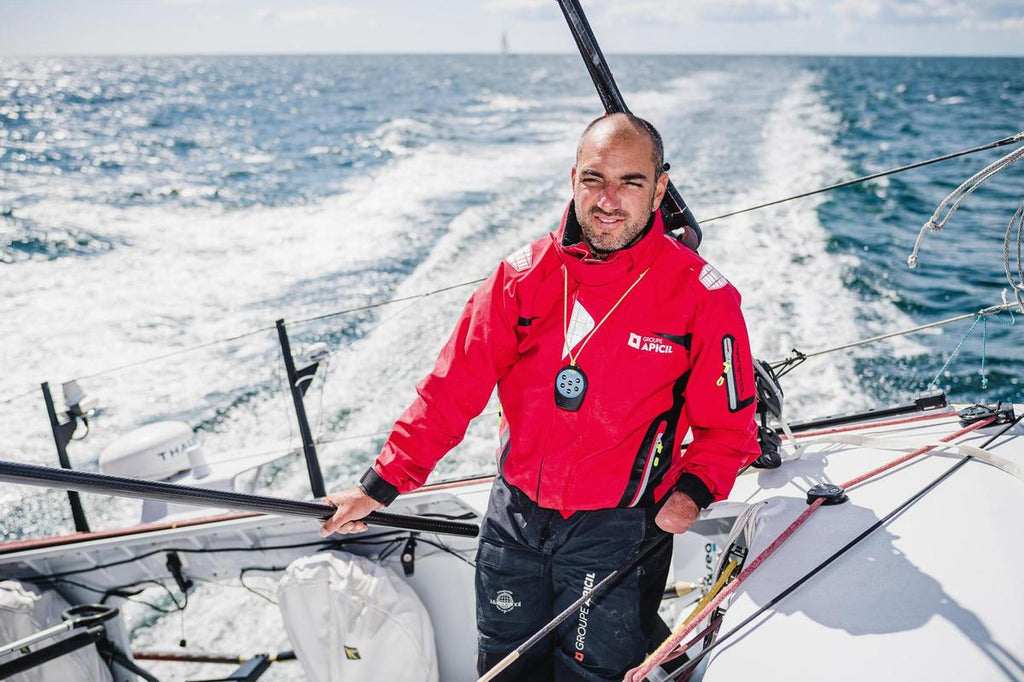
(408, 557)
(830, 493)
(1003, 412)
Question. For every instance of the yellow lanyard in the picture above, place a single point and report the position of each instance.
(565, 315)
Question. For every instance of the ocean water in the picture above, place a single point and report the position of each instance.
(150, 205)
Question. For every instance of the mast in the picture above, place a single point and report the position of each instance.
(677, 215)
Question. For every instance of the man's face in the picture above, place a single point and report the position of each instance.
(614, 189)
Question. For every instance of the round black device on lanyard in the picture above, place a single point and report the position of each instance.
(570, 387)
(571, 382)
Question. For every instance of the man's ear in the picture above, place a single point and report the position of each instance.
(659, 191)
(572, 176)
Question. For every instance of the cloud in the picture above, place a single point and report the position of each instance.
(1006, 24)
(206, 19)
(717, 11)
(1002, 15)
(665, 11)
(524, 10)
(315, 14)
(977, 14)
(901, 12)
(754, 10)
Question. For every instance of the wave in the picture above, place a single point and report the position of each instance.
(23, 240)
(794, 287)
(400, 136)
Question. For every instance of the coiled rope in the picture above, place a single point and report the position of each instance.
(1016, 285)
(948, 206)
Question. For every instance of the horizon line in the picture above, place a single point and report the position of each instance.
(909, 55)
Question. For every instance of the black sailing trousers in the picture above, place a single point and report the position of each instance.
(533, 563)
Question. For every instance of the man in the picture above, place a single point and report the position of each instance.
(607, 340)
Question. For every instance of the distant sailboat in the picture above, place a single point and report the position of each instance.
(504, 42)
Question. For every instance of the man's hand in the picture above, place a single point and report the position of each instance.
(678, 513)
(353, 504)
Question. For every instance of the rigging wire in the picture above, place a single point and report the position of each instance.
(401, 299)
(284, 452)
(416, 297)
(1012, 139)
(19, 396)
(797, 357)
(292, 451)
(377, 434)
(412, 299)
(171, 354)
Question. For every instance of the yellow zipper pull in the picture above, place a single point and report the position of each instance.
(726, 367)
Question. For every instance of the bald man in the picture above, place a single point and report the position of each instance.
(608, 341)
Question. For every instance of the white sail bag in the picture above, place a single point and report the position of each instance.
(350, 619)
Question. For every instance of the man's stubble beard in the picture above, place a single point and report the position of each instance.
(592, 235)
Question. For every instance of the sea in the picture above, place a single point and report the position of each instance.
(159, 214)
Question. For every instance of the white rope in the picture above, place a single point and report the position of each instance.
(952, 202)
(1015, 469)
(1016, 286)
(746, 526)
(797, 448)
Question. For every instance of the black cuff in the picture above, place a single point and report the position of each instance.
(377, 487)
(693, 486)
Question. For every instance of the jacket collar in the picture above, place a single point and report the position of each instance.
(585, 269)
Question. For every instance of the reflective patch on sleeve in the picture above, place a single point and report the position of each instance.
(521, 259)
(712, 279)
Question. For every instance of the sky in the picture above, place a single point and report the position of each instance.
(917, 27)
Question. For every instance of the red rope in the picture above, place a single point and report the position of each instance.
(668, 647)
(920, 451)
(712, 625)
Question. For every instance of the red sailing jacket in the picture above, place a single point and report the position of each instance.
(673, 356)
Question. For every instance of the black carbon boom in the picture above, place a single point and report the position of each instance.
(104, 484)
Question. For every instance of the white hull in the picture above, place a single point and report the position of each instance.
(930, 595)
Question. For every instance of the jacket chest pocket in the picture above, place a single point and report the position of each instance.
(539, 333)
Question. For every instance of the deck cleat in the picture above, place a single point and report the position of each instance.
(1003, 412)
(831, 493)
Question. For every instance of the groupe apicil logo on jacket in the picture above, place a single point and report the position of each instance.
(651, 344)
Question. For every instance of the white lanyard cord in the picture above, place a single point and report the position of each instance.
(565, 314)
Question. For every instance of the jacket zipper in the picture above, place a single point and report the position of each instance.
(652, 456)
(729, 370)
